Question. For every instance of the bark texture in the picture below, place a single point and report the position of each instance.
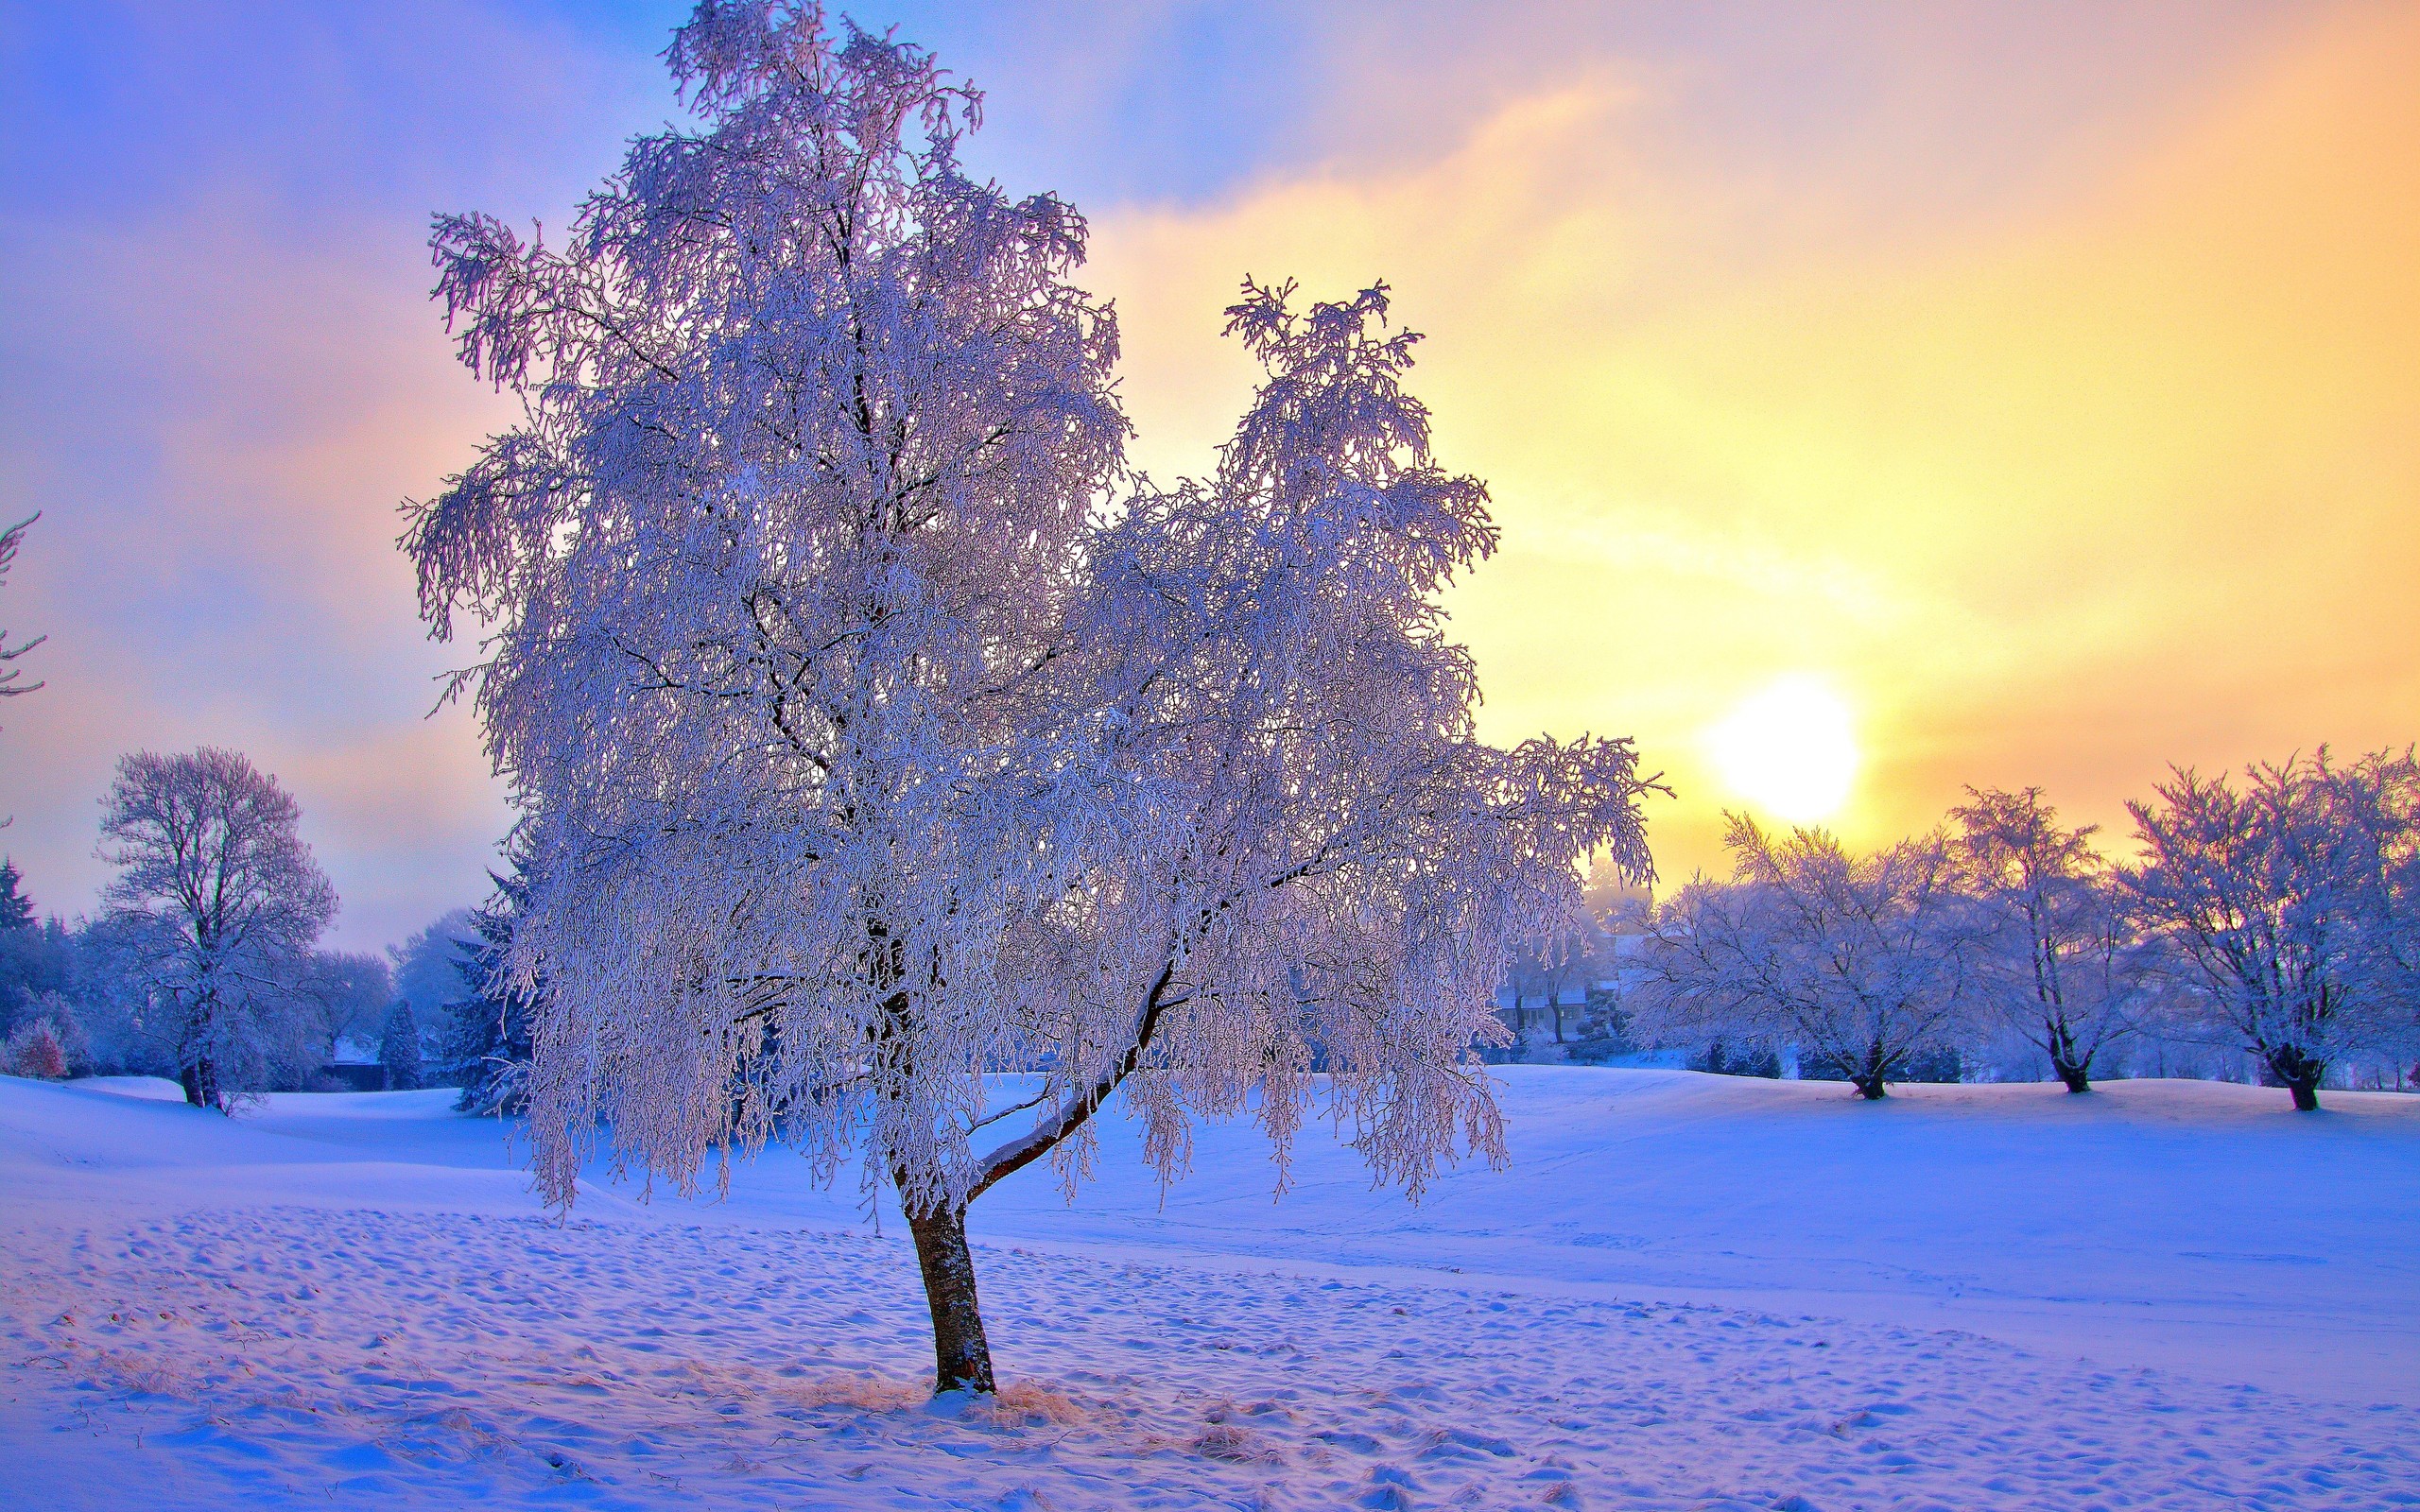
(962, 1355)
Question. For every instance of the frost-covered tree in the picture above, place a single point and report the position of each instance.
(399, 1048)
(428, 964)
(1561, 956)
(210, 921)
(861, 762)
(345, 995)
(2059, 962)
(34, 1049)
(1863, 962)
(2287, 903)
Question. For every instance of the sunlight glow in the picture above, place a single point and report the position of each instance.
(1788, 750)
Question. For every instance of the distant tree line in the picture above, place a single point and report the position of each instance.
(2271, 919)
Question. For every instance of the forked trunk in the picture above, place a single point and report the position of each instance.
(962, 1355)
(2298, 1073)
(2070, 1066)
(200, 1082)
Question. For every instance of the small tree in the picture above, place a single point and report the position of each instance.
(35, 1050)
(1863, 962)
(1563, 953)
(864, 758)
(399, 1047)
(211, 918)
(2286, 904)
(2059, 959)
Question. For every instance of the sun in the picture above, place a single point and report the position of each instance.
(1789, 748)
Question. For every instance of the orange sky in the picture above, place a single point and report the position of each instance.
(2121, 471)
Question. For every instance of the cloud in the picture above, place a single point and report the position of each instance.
(2058, 486)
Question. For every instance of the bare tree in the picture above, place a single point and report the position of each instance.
(1860, 961)
(864, 754)
(2287, 903)
(1563, 953)
(10, 687)
(2060, 962)
(11, 539)
(212, 914)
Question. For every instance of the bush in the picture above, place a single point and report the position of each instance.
(1738, 1059)
(34, 1050)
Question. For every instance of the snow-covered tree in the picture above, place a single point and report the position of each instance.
(2287, 903)
(345, 995)
(210, 921)
(33, 1049)
(1863, 962)
(485, 1046)
(2060, 962)
(399, 1048)
(860, 761)
(1561, 956)
(428, 964)
(66, 1021)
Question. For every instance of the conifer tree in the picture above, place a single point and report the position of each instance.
(16, 909)
(399, 1048)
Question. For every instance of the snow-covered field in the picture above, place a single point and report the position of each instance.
(1685, 1292)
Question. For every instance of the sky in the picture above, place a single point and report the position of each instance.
(1939, 394)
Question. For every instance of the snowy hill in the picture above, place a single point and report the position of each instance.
(1685, 1291)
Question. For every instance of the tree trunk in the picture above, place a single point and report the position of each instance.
(962, 1355)
(1867, 1078)
(200, 1082)
(2064, 1059)
(2299, 1073)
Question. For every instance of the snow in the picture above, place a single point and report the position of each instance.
(1684, 1292)
(154, 1089)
